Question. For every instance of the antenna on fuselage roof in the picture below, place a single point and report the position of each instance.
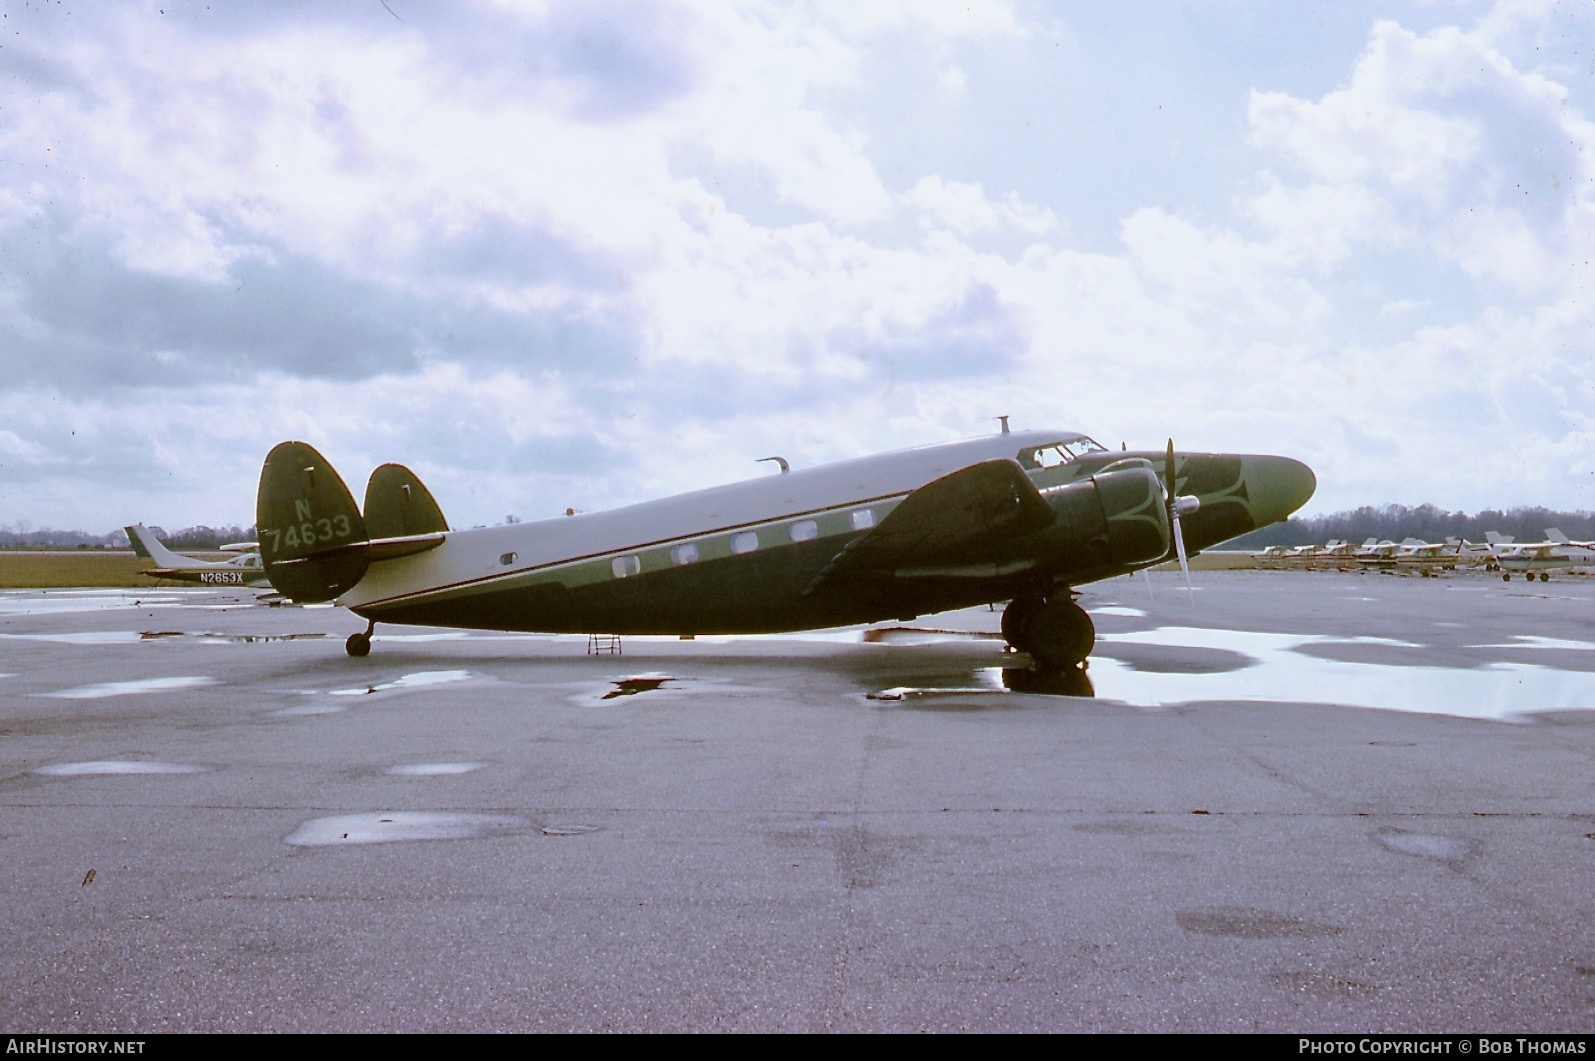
(785, 467)
(1003, 420)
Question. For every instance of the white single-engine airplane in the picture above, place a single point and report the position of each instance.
(245, 569)
(1555, 553)
(1018, 517)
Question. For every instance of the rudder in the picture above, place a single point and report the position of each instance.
(312, 537)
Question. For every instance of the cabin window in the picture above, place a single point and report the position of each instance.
(684, 554)
(1083, 445)
(745, 542)
(507, 559)
(1048, 457)
(864, 519)
(805, 530)
(624, 566)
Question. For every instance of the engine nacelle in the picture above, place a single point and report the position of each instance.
(1118, 517)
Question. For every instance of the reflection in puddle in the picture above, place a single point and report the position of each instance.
(999, 679)
(433, 769)
(122, 637)
(1498, 691)
(239, 639)
(394, 826)
(116, 766)
(633, 686)
(143, 685)
(408, 681)
(923, 635)
(1178, 665)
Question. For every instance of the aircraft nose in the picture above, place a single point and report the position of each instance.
(1280, 486)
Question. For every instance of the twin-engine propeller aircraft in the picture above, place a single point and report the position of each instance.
(245, 569)
(1017, 517)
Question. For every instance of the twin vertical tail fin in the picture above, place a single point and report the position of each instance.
(398, 505)
(313, 540)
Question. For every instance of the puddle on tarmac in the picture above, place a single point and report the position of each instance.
(407, 681)
(117, 766)
(95, 637)
(120, 637)
(433, 769)
(395, 826)
(645, 683)
(232, 639)
(309, 709)
(1271, 667)
(58, 602)
(1532, 641)
(143, 685)
(1423, 845)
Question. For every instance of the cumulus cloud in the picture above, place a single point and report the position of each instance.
(570, 254)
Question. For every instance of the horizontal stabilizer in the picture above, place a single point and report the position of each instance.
(374, 550)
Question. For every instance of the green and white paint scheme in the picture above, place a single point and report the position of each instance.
(245, 569)
(1019, 517)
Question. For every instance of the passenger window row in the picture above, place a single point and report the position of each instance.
(804, 530)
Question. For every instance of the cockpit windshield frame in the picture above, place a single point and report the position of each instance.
(1057, 454)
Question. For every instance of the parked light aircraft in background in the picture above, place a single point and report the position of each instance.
(1555, 553)
(245, 569)
(1021, 517)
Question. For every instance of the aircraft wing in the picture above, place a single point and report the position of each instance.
(939, 528)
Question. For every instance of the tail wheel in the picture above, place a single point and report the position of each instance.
(358, 645)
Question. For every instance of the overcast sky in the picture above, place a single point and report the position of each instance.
(588, 253)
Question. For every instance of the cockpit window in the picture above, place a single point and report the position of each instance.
(1058, 453)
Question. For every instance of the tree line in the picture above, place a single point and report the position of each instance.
(200, 539)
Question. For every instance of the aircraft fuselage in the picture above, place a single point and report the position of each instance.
(754, 556)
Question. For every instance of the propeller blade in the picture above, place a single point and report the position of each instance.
(1174, 518)
(1179, 547)
(1168, 475)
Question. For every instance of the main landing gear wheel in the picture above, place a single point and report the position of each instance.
(1016, 618)
(1057, 634)
(359, 644)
